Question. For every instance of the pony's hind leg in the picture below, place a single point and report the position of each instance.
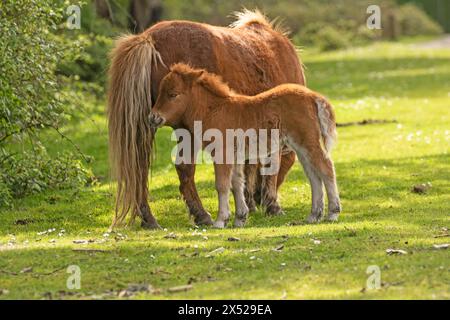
(316, 185)
(250, 173)
(237, 186)
(223, 184)
(148, 220)
(269, 195)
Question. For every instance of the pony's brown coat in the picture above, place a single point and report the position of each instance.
(252, 56)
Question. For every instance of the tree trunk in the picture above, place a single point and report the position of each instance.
(144, 13)
(103, 9)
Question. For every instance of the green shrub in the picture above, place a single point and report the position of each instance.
(324, 36)
(32, 96)
(34, 171)
(413, 21)
(5, 194)
(330, 38)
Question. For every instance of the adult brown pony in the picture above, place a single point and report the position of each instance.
(252, 56)
(303, 119)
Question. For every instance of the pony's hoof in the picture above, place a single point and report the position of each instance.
(152, 225)
(219, 224)
(203, 220)
(274, 210)
(333, 217)
(252, 208)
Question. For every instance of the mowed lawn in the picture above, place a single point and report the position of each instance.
(278, 257)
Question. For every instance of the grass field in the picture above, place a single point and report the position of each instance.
(377, 166)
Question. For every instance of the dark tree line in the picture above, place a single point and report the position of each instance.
(142, 13)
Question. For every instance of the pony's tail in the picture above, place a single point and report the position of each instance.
(327, 122)
(129, 104)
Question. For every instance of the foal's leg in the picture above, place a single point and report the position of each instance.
(325, 168)
(316, 184)
(223, 184)
(237, 185)
(250, 172)
(189, 192)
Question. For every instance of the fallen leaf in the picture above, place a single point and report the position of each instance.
(22, 222)
(233, 239)
(3, 291)
(215, 252)
(441, 246)
(26, 270)
(170, 236)
(89, 250)
(278, 248)
(82, 241)
(180, 288)
(134, 289)
(395, 251)
(421, 188)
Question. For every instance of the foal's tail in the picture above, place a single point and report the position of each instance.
(327, 121)
(129, 104)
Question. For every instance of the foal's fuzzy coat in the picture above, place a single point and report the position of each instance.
(304, 118)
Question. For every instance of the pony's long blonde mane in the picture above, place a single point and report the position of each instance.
(210, 81)
(248, 17)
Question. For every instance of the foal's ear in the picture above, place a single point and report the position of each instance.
(198, 73)
(192, 76)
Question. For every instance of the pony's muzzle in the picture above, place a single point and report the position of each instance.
(156, 120)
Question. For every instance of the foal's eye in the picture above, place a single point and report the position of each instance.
(173, 95)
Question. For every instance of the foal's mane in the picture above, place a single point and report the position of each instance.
(210, 81)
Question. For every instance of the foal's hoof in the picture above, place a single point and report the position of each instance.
(314, 218)
(239, 223)
(219, 224)
(333, 217)
(203, 220)
(274, 210)
(150, 225)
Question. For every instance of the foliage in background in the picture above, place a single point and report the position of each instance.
(325, 24)
(32, 97)
(414, 21)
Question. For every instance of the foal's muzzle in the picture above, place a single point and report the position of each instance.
(156, 120)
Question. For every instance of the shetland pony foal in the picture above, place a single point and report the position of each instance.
(302, 116)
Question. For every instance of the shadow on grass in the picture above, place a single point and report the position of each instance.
(248, 268)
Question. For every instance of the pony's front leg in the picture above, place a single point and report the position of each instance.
(223, 184)
(190, 195)
(237, 184)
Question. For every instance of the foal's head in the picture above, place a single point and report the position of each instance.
(182, 88)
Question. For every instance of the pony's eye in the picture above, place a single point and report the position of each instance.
(173, 95)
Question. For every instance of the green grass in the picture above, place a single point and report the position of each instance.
(377, 165)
